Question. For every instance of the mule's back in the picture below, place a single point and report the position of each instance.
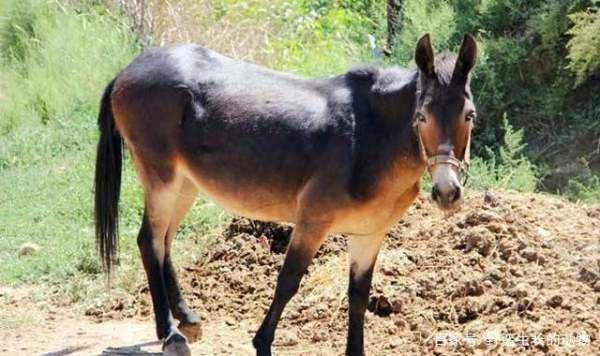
(219, 119)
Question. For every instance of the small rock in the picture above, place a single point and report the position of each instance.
(479, 239)
(543, 234)
(401, 323)
(481, 217)
(380, 305)
(27, 249)
(521, 290)
(515, 271)
(526, 304)
(495, 274)
(394, 344)
(555, 301)
(469, 288)
(490, 199)
(263, 242)
(531, 255)
(587, 275)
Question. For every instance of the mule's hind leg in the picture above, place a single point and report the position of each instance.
(160, 200)
(363, 254)
(306, 240)
(189, 323)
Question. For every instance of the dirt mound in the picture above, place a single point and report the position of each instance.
(509, 274)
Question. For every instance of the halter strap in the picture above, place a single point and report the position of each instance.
(461, 166)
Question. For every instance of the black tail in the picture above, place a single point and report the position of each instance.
(107, 183)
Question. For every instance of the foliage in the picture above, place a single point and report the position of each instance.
(325, 37)
(509, 170)
(585, 186)
(431, 16)
(584, 45)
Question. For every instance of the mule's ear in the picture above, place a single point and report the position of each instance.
(424, 55)
(467, 56)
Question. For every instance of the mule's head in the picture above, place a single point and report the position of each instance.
(444, 116)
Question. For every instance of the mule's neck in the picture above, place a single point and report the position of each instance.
(394, 98)
(386, 144)
(406, 161)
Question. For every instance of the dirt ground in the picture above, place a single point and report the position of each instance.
(508, 274)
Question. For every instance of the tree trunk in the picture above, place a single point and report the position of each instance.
(394, 23)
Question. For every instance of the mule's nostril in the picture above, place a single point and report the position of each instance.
(435, 193)
(455, 194)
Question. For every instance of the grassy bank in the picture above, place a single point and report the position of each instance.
(56, 60)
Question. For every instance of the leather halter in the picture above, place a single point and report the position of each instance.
(461, 167)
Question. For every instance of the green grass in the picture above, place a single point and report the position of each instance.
(12, 320)
(53, 71)
(46, 186)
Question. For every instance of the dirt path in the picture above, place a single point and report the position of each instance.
(70, 334)
(76, 335)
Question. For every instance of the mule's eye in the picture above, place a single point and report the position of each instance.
(471, 116)
(420, 117)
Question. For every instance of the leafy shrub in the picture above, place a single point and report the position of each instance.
(509, 170)
(584, 45)
(430, 16)
(585, 186)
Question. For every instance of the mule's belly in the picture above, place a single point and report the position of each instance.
(274, 202)
(250, 206)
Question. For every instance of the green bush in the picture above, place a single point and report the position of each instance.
(585, 186)
(509, 170)
(584, 45)
(430, 16)
(325, 37)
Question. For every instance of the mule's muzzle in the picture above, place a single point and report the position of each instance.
(447, 189)
(448, 196)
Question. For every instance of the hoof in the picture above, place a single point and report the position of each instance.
(262, 348)
(192, 331)
(263, 352)
(176, 345)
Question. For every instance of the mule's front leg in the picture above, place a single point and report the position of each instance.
(306, 240)
(363, 254)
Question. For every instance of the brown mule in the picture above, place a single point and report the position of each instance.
(339, 155)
